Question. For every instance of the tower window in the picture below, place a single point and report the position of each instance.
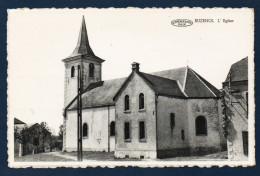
(112, 128)
(141, 101)
(127, 131)
(127, 103)
(182, 135)
(85, 130)
(91, 70)
(201, 126)
(141, 130)
(72, 72)
(172, 120)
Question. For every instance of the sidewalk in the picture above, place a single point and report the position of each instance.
(58, 154)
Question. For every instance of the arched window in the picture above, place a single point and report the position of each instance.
(172, 120)
(201, 126)
(72, 72)
(141, 101)
(127, 103)
(85, 130)
(91, 70)
(112, 128)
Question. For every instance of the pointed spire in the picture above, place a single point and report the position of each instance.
(83, 46)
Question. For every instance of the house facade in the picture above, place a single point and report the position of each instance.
(236, 99)
(164, 114)
(18, 126)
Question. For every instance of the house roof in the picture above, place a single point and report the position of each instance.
(181, 82)
(17, 121)
(238, 71)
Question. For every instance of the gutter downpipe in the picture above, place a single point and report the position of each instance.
(108, 147)
(156, 127)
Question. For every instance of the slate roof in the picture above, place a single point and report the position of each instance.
(181, 82)
(163, 86)
(238, 71)
(17, 121)
(83, 47)
(192, 83)
(100, 93)
(174, 74)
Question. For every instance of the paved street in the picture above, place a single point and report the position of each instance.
(103, 156)
(53, 156)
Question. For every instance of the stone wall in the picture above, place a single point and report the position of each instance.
(170, 141)
(237, 113)
(136, 148)
(212, 141)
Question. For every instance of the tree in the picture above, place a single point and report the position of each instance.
(61, 132)
(60, 137)
(44, 132)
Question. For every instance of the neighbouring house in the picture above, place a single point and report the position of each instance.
(163, 114)
(236, 99)
(35, 139)
(18, 126)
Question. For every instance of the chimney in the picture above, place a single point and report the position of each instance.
(135, 67)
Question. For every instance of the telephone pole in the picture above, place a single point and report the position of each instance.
(79, 114)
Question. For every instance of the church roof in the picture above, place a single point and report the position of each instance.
(17, 121)
(174, 74)
(163, 86)
(83, 47)
(100, 93)
(191, 82)
(238, 71)
(181, 83)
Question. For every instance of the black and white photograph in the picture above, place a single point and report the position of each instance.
(130, 87)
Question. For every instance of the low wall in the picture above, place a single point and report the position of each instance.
(181, 152)
(136, 154)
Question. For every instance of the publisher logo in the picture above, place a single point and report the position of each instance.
(182, 22)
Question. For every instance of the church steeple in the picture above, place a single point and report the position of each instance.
(90, 64)
(83, 47)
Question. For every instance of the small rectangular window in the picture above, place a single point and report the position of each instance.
(141, 130)
(245, 142)
(127, 131)
(172, 120)
(182, 135)
(247, 103)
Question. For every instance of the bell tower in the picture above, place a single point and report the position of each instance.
(82, 57)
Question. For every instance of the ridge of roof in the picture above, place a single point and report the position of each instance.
(185, 78)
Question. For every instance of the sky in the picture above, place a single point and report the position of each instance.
(38, 39)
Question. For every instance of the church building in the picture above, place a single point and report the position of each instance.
(144, 115)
